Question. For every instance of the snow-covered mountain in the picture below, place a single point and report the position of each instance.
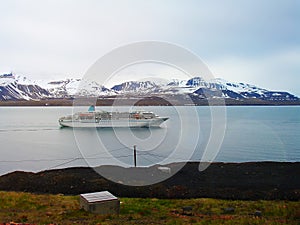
(136, 87)
(73, 87)
(14, 87)
(203, 88)
(241, 91)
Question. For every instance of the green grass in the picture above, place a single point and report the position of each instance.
(60, 209)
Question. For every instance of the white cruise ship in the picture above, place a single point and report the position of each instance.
(93, 118)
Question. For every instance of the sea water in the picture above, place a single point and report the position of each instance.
(32, 140)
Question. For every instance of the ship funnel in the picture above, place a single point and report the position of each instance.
(91, 108)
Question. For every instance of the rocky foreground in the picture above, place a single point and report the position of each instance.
(249, 181)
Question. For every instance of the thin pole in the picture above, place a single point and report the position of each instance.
(134, 155)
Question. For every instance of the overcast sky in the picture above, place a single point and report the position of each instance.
(255, 41)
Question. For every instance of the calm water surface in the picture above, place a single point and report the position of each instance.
(32, 140)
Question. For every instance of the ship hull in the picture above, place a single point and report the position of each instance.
(138, 123)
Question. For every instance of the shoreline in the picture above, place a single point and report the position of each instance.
(244, 181)
(148, 101)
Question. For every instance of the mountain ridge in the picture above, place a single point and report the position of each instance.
(15, 87)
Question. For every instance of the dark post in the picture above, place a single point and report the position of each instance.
(134, 155)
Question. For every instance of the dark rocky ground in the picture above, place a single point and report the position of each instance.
(249, 181)
(146, 101)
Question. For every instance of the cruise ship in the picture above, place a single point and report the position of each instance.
(93, 118)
